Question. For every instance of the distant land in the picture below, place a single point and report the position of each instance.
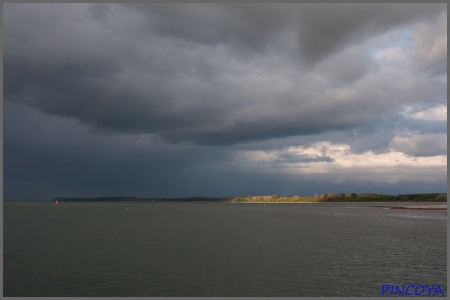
(277, 198)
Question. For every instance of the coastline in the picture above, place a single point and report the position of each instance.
(435, 207)
(368, 202)
(396, 205)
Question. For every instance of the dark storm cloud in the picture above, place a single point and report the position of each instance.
(49, 155)
(322, 28)
(137, 99)
(346, 66)
(329, 27)
(241, 25)
(167, 69)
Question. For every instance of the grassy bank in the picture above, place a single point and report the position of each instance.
(346, 198)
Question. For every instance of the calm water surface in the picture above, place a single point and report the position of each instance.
(218, 249)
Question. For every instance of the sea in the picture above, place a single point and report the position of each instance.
(159, 249)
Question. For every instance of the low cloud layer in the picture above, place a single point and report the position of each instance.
(175, 89)
(421, 145)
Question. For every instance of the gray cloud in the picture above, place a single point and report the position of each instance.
(328, 28)
(346, 67)
(421, 145)
(162, 79)
(295, 158)
(113, 86)
(239, 25)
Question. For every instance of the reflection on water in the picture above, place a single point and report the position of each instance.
(219, 249)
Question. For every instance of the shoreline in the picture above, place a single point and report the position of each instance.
(369, 202)
(436, 207)
(426, 206)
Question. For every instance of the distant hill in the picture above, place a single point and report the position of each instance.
(63, 199)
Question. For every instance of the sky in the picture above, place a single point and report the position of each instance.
(181, 100)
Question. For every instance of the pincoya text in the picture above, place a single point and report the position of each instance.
(410, 290)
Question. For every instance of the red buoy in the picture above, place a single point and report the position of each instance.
(56, 203)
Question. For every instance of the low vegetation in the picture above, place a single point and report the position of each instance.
(352, 197)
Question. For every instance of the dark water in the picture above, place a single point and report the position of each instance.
(218, 249)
